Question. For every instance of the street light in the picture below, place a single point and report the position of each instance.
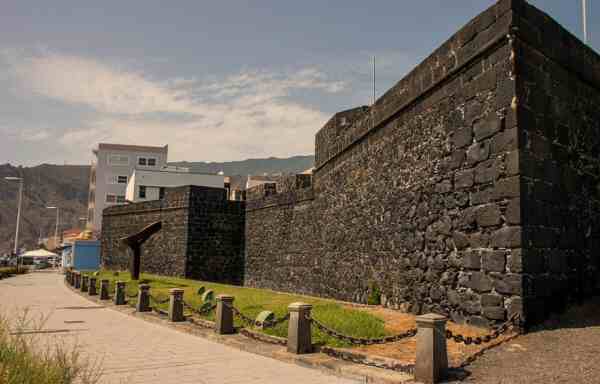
(20, 180)
(56, 227)
(584, 17)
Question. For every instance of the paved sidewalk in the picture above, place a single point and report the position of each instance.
(136, 351)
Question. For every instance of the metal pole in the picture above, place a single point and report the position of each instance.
(56, 228)
(18, 221)
(18, 215)
(373, 80)
(584, 10)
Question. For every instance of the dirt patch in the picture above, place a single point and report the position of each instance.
(405, 350)
(562, 350)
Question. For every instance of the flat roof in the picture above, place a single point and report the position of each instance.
(127, 147)
(176, 172)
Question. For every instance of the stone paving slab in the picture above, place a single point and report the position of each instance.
(136, 351)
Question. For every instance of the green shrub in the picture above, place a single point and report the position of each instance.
(11, 271)
(374, 295)
(25, 359)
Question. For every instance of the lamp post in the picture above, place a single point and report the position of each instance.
(57, 223)
(20, 180)
(584, 17)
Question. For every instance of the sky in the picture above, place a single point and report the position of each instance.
(216, 80)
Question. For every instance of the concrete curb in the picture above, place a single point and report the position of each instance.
(317, 360)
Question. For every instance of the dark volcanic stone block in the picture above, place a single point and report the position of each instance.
(487, 127)
(507, 237)
(462, 137)
(488, 215)
(464, 179)
(471, 259)
(493, 261)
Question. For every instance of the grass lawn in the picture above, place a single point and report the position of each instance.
(251, 301)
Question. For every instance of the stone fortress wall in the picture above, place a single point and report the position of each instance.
(558, 88)
(202, 235)
(470, 188)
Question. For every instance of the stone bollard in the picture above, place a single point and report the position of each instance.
(120, 293)
(143, 303)
(77, 280)
(92, 286)
(84, 283)
(68, 276)
(431, 365)
(104, 290)
(176, 305)
(224, 315)
(299, 335)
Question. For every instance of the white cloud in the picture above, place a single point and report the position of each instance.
(248, 114)
(78, 80)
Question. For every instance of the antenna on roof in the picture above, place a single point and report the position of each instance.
(584, 10)
(373, 101)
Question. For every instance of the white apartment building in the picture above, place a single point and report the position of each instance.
(253, 181)
(111, 171)
(150, 184)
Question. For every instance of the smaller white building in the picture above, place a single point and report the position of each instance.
(253, 181)
(145, 184)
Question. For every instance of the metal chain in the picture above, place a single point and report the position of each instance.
(359, 340)
(469, 360)
(160, 311)
(238, 313)
(203, 311)
(250, 321)
(468, 340)
(159, 301)
(254, 336)
(274, 322)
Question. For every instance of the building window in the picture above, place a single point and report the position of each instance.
(147, 161)
(118, 160)
(112, 179)
(115, 199)
(161, 193)
(142, 194)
